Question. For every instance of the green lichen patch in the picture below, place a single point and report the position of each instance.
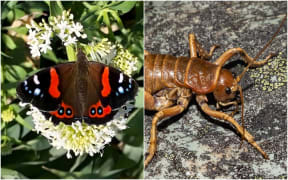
(272, 75)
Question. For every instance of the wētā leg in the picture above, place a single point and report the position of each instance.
(202, 101)
(195, 47)
(182, 104)
(233, 51)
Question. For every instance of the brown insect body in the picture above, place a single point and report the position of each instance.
(166, 71)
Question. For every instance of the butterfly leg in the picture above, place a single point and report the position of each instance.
(202, 101)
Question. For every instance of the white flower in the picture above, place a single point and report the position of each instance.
(70, 40)
(46, 35)
(77, 28)
(62, 25)
(34, 51)
(32, 35)
(80, 137)
(44, 47)
(62, 35)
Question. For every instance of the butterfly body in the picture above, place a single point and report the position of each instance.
(81, 91)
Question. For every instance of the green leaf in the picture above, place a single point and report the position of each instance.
(40, 143)
(6, 149)
(123, 162)
(133, 152)
(4, 12)
(8, 41)
(33, 163)
(51, 56)
(134, 134)
(106, 166)
(19, 30)
(10, 16)
(18, 13)
(11, 174)
(111, 174)
(55, 7)
(35, 6)
(56, 153)
(67, 175)
(25, 131)
(14, 73)
(124, 7)
(90, 7)
(11, 4)
(117, 18)
(106, 19)
(14, 131)
(78, 162)
(21, 121)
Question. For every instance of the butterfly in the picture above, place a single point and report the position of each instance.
(84, 90)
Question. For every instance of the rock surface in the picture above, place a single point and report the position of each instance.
(193, 145)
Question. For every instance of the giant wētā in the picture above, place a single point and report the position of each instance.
(170, 83)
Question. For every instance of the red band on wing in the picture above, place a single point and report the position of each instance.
(54, 83)
(106, 110)
(105, 83)
(64, 115)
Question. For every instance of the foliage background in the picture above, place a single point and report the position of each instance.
(26, 154)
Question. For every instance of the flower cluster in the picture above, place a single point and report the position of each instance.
(39, 38)
(80, 137)
(115, 55)
(7, 115)
(66, 29)
(63, 26)
(103, 51)
(125, 61)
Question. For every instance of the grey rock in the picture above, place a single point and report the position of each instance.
(193, 145)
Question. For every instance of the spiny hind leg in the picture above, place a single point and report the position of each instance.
(202, 102)
(233, 51)
(195, 47)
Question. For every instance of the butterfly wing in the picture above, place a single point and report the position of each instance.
(108, 89)
(42, 88)
(51, 91)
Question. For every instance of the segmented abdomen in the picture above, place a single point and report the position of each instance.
(166, 71)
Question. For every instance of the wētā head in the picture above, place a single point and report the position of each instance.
(227, 86)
